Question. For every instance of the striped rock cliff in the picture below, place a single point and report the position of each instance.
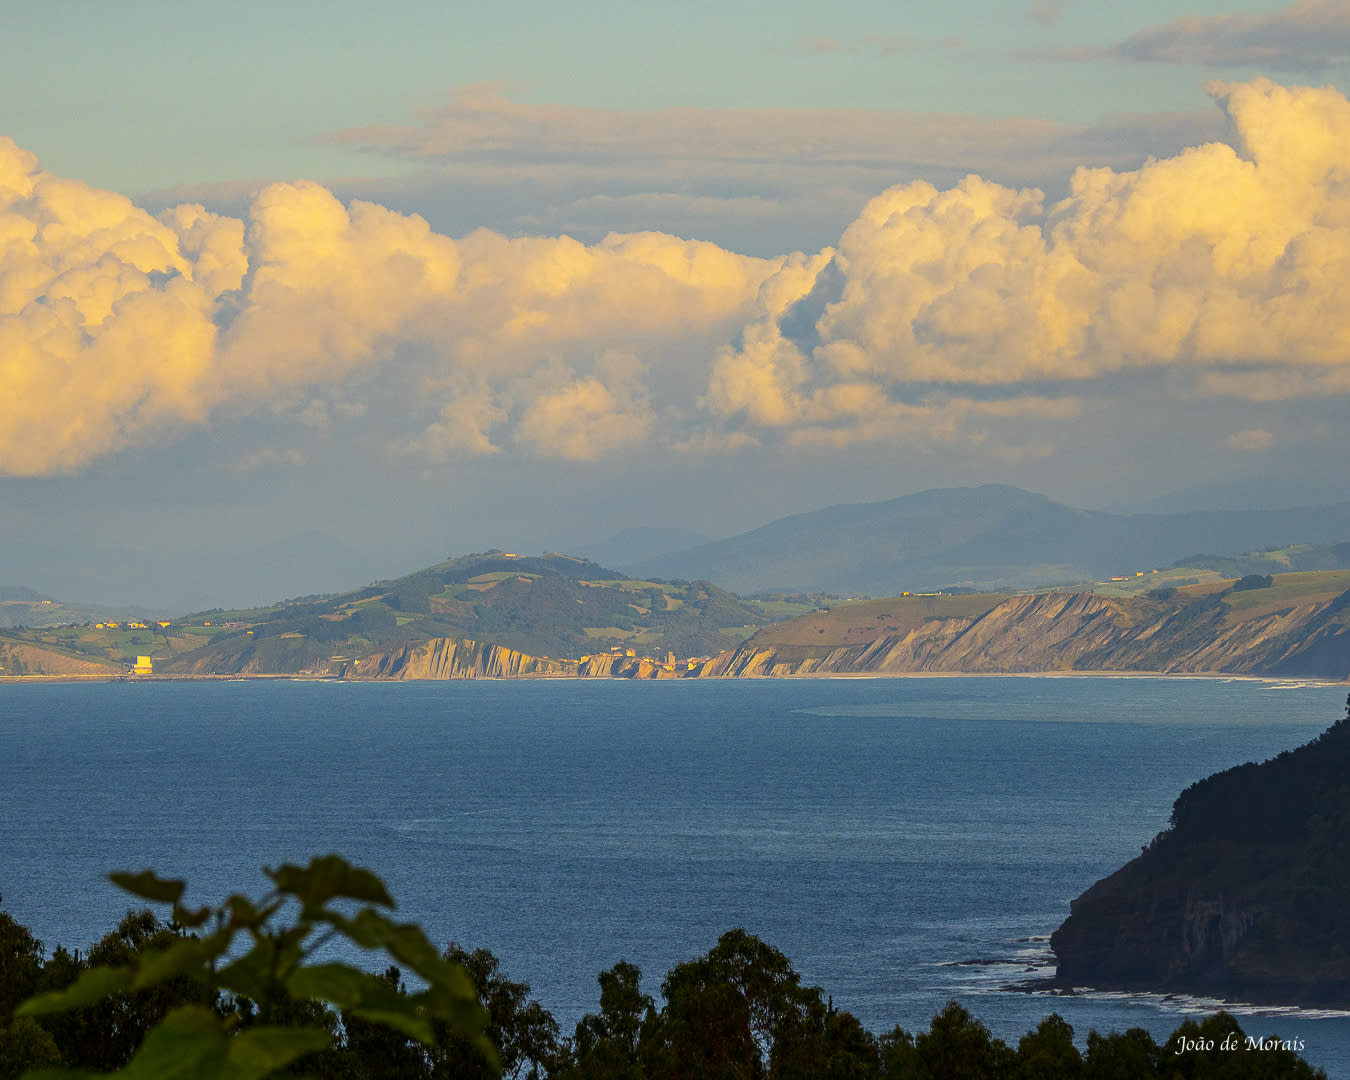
(450, 658)
(1078, 632)
(447, 658)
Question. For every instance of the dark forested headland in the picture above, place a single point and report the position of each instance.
(1246, 895)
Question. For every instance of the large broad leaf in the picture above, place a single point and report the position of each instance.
(255, 974)
(261, 1050)
(243, 912)
(368, 928)
(365, 995)
(250, 976)
(407, 944)
(149, 886)
(330, 877)
(190, 918)
(90, 988)
(190, 1044)
(189, 956)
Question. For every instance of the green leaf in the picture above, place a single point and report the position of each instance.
(408, 1022)
(190, 1043)
(364, 995)
(259, 1051)
(189, 919)
(250, 975)
(407, 944)
(346, 987)
(149, 886)
(243, 912)
(90, 988)
(189, 956)
(367, 929)
(330, 877)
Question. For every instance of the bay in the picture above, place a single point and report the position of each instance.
(903, 841)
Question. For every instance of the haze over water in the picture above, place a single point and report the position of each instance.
(879, 832)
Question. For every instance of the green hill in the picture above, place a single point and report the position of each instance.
(1285, 624)
(550, 606)
(1298, 557)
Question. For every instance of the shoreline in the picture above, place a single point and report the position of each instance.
(1298, 680)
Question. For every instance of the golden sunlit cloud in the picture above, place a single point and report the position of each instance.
(1213, 262)
(116, 326)
(939, 312)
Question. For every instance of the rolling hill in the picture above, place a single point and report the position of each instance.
(521, 609)
(1287, 624)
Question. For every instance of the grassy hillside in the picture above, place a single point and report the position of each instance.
(854, 622)
(1274, 560)
(547, 606)
(1284, 624)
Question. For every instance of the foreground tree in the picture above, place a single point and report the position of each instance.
(172, 998)
(607, 1045)
(523, 1033)
(214, 1012)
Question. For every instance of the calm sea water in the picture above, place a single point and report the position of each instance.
(903, 841)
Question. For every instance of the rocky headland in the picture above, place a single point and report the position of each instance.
(1243, 897)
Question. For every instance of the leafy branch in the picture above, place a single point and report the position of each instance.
(283, 931)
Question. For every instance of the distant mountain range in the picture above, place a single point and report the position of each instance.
(990, 537)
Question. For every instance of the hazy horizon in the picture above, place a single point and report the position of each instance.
(344, 293)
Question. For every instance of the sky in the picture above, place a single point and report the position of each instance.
(298, 295)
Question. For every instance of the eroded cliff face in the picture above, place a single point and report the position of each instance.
(1132, 932)
(1077, 632)
(450, 658)
(447, 658)
(18, 659)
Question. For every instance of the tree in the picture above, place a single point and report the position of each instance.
(729, 1014)
(1048, 1053)
(20, 964)
(958, 1047)
(374, 1051)
(607, 1045)
(1121, 1057)
(523, 1032)
(258, 1012)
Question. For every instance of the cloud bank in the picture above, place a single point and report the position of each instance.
(1306, 36)
(1224, 268)
(939, 313)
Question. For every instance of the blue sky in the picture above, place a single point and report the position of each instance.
(418, 279)
(148, 95)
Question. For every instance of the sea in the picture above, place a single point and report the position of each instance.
(905, 841)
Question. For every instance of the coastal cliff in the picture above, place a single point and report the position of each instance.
(18, 659)
(448, 658)
(1049, 632)
(1243, 896)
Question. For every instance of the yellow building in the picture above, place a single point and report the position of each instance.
(143, 666)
